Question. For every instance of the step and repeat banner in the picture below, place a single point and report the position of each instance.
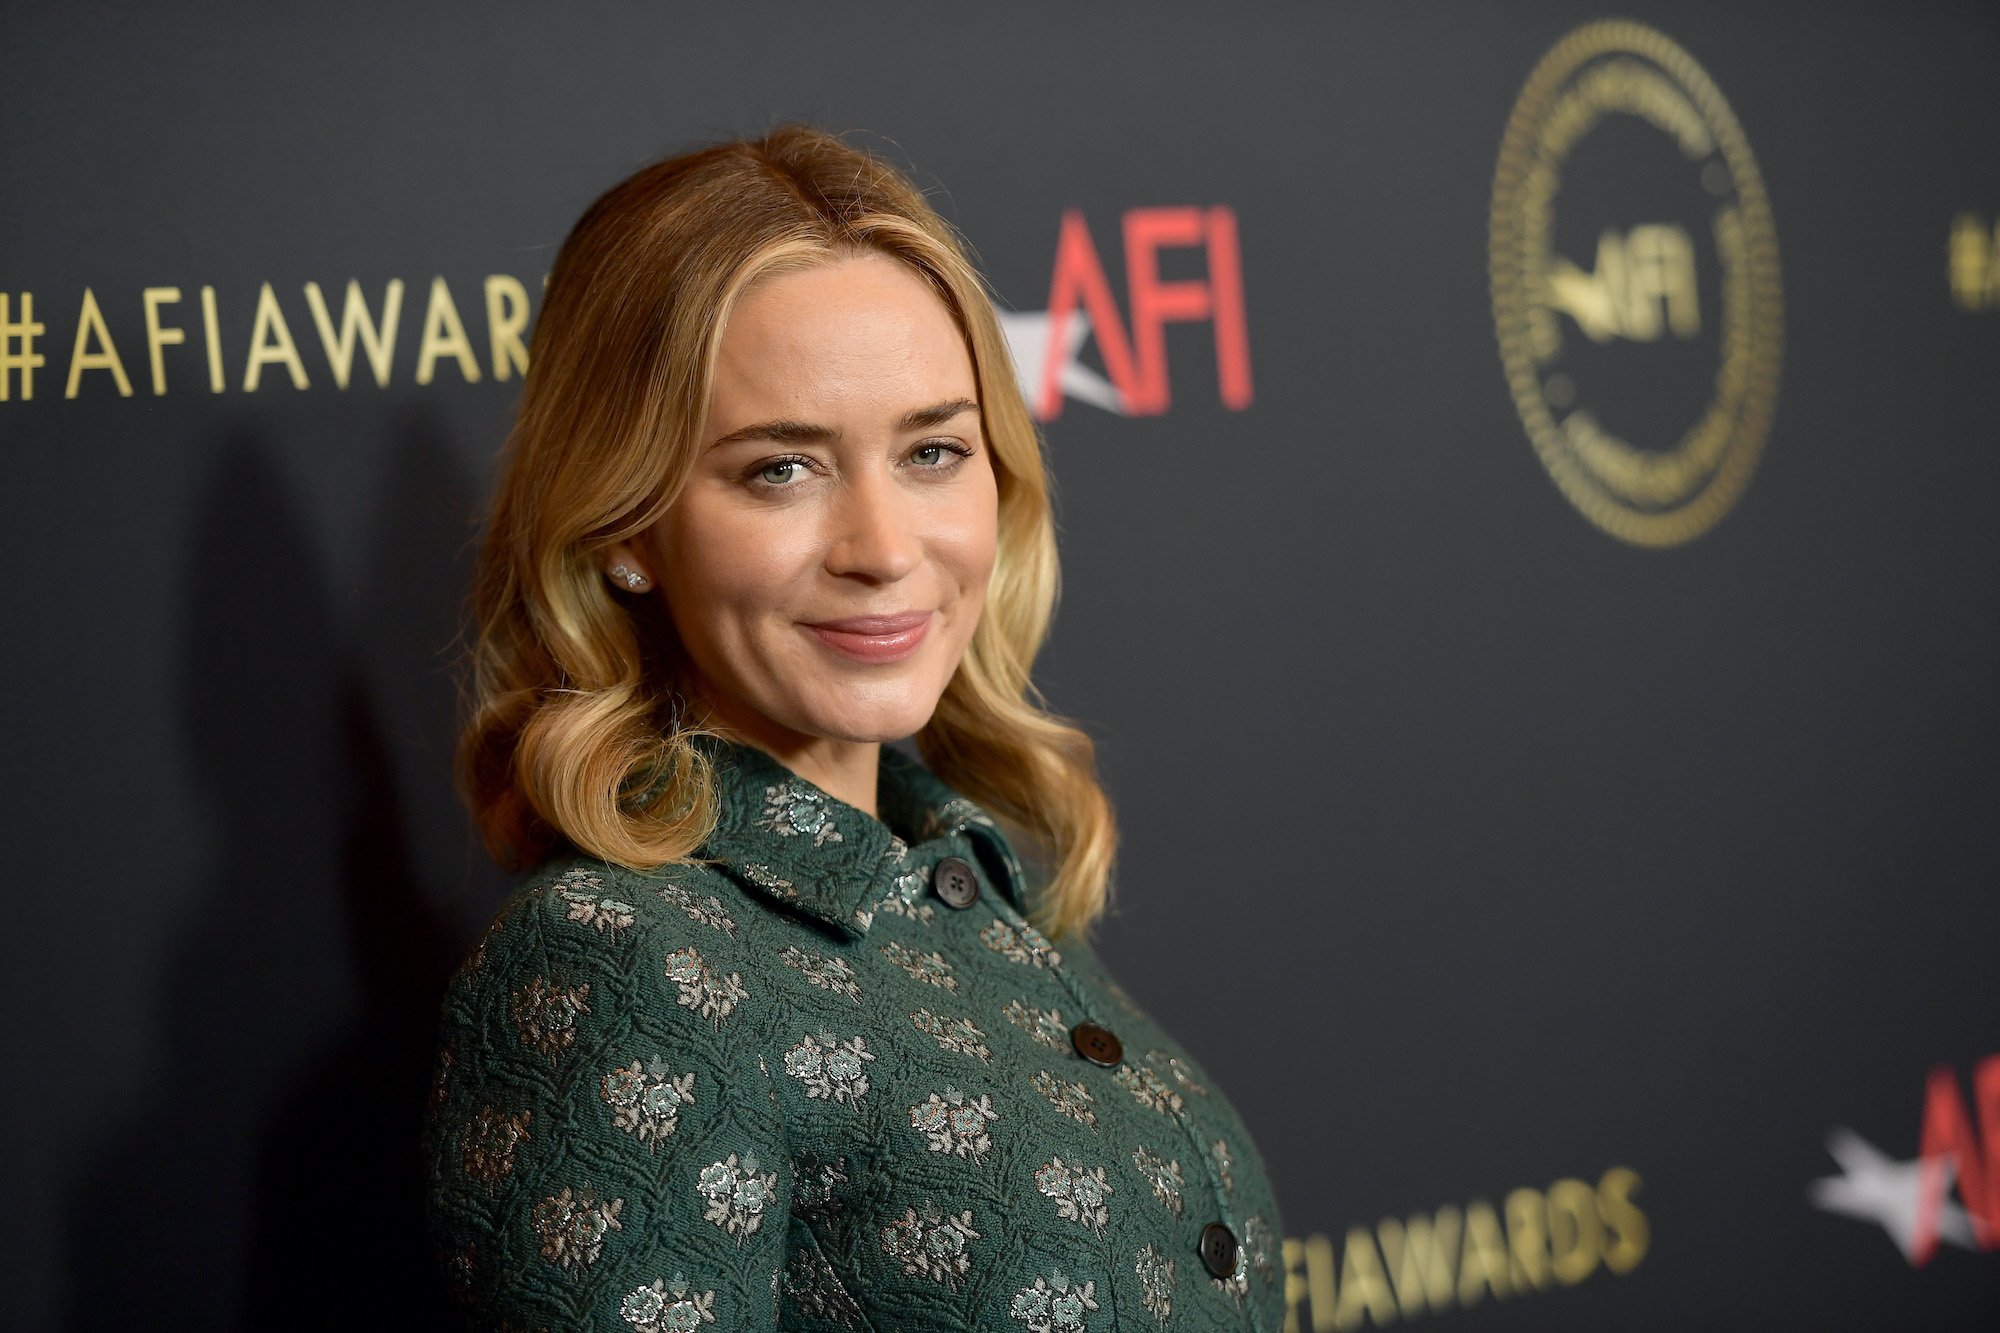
(1526, 478)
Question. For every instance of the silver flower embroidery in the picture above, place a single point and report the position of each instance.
(1072, 1099)
(958, 1035)
(1055, 1304)
(545, 1015)
(487, 1146)
(816, 1185)
(646, 1100)
(1261, 1246)
(1044, 1025)
(711, 996)
(1156, 1283)
(955, 1124)
(1078, 1192)
(929, 966)
(1148, 1089)
(737, 1193)
(1023, 945)
(668, 1307)
(441, 1075)
(760, 874)
(831, 1069)
(1178, 1067)
(708, 911)
(931, 1244)
(832, 974)
(817, 1290)
(1219, 1154)
(902, 898)
(793, 810)
(1163, 1176)
(605, 915)
(955, 814)
(572, 1225)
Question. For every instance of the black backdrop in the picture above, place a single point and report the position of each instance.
(1553, 900)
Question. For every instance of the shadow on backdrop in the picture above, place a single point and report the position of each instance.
(269, 1176)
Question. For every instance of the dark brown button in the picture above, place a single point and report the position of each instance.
(1218, 1250)
(955, 883)
(1097, 1044)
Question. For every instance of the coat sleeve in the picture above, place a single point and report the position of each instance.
(604, 1145)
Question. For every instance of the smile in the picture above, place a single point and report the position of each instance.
(874, 638)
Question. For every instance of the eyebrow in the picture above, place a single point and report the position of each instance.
(800, 432)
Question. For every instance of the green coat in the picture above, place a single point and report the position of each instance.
(805, 1087)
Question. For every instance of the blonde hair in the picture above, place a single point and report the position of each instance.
(578, 727)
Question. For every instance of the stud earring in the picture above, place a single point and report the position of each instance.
(630, 577)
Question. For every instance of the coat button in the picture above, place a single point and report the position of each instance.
(1097, 1044)
(1218, 1250)
(955, 883)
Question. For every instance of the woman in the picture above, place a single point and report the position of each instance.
(777, 1030)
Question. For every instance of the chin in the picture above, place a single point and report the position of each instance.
(865, 719)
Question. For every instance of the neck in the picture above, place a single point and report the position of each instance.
(843, 769)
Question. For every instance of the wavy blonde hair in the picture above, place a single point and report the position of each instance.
(579, 727)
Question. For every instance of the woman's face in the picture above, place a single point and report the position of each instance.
(828, 560)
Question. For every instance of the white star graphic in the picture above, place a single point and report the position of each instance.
(1875, 1188)
(1028, 340)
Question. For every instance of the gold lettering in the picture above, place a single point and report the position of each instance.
(378, 341)
(1419, 1254)
(212, 336)
(444, 335)
(1575, 1235)
(1640, 276)
(1319, 1281)
(506, 320)
(158, 337)
(1482, 1264)
(1975, 263)
(271, 344)
(89, 326)
(1626, 1223)
(1295, 1282)
(1527, 1239)
(1364, 1289)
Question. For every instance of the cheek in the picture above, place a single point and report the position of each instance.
(724, 567)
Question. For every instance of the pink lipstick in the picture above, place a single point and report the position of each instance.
(874, 638)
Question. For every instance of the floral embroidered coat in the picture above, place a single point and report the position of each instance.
(833, 1080)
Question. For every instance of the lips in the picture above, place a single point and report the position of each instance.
(886, 638)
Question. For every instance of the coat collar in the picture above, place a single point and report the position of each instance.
(784, 838)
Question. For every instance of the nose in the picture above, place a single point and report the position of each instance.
(873, 532)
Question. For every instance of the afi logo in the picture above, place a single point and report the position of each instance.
(1910, 1200)
(1081, 306)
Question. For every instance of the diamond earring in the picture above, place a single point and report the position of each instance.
(630, 577)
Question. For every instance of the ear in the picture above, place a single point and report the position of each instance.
(624, 567)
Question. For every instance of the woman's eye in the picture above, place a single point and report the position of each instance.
(940, 453)
(779, 471)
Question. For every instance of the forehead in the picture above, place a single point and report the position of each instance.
(854, 338)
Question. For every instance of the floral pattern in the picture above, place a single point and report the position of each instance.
(1223, 1160)
(796, 810)
(668, 1306)
(1071, 1099)
(1156, 1283)
(954, 1123)
(958, 1035)
(1078, 1192)
(766, 878)
(816, 1185)
(1022, 944)
(737, 1193)
(646, 1099)
(1177, 1067)
(904, 898)
(1163, 1176)
(1055, 1304)
(931, 1244)
(834, 974)
(571, 1227)
(707, 911)
(701, 989)
(1148, 1089)
(831, 1069)
(817, 1290)
(930, 966)
(488, 1145)
(1261, 1247)
(591, 907)
(1044, 1025)
(545, 1015)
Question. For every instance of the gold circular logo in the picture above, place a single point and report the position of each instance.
(1635, 284)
